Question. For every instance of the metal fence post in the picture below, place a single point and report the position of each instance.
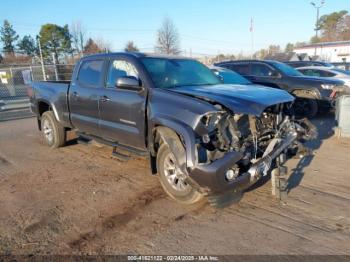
(11, 72)
(55, 66)
(41, 59)
(11, 83)
(31, 73)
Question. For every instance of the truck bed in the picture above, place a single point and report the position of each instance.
(55, 94)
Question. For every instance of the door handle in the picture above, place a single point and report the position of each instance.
(104, 98)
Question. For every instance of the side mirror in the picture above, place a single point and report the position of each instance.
(128, 82)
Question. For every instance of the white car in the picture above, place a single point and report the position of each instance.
(320, 71)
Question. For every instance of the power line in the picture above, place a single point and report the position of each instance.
(104, 29)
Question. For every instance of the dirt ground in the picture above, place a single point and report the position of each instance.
(80, 200)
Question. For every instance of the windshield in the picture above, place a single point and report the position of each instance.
(286, 69)
(230, 77)
(170, 73)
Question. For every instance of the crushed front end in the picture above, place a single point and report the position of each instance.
(235, 150)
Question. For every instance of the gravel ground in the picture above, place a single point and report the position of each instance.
(80, 200)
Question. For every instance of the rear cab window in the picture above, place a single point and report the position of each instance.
(91, 73)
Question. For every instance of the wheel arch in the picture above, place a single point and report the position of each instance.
(177, 135)
(44, 106)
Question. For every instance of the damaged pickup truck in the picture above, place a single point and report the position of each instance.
(203, 138)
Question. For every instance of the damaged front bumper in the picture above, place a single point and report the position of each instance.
(211, 177)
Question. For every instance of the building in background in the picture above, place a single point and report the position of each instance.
(333, 52)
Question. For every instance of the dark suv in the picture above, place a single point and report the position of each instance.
(312, 93)
(297, 64)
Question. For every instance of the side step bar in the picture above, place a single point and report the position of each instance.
(119, 155)
(85, 139)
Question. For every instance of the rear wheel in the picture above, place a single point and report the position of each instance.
(53, 132)
(173, 180)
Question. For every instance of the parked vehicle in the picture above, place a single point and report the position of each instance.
(228, 76)
(296, 64)
(320, 71)
(202, 137)
(312, 93)
(342, 65)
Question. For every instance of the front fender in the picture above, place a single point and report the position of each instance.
(183, 130)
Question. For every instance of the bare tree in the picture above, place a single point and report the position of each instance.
(131, 47)
(91, 47)
(168, 41)
(103, 44)
(78, 36)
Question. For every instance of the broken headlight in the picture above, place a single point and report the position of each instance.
(210, 120)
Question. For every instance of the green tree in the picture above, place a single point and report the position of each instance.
(346, 28)
(8, 37)
(27, 45)
(55, 40)
(289, 47)
(331, 26)
(261, 54)
(131, 47)
(300, 44)
(273, 49)
(315, 39)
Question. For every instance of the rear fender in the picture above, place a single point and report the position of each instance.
(51, 106)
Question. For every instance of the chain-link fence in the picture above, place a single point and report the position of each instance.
(14, 81)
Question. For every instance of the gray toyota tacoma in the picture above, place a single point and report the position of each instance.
(203, 138)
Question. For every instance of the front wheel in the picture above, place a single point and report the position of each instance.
(172, 179)
(53, 132)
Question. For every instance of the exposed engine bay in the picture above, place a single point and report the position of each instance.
(258, 139)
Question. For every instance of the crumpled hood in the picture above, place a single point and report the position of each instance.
(246, 99)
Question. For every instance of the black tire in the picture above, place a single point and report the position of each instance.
(305, 105)
(187, 196)
(53, 132)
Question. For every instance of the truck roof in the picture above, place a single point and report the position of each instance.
(136, 54)
(247, 60)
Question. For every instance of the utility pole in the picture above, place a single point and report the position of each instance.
(317, 7)
(41, 57)
(251, 29)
